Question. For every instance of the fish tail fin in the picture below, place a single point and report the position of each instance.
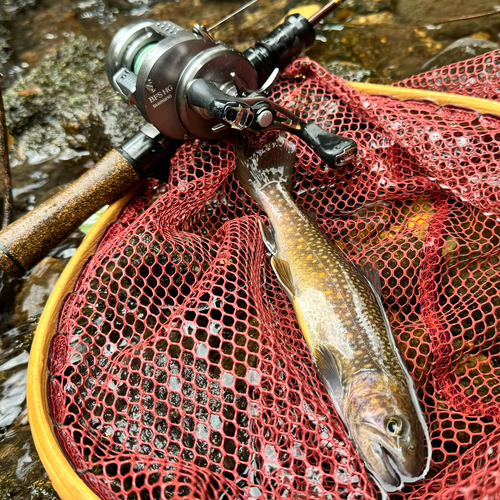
(272, 163)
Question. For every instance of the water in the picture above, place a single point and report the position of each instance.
(382, 41)
(13, 368)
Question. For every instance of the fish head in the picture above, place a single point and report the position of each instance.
(386, 428)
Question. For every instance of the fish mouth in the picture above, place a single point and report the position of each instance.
(383, 468)
(388, 468)
(384, 464)
(393, 478)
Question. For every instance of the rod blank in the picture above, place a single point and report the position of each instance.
(324, 11)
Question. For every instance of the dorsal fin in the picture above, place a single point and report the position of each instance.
(284, 274)
(370, 272)
(312, 216)
(268, 237)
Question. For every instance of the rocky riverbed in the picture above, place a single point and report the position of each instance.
(63, 116)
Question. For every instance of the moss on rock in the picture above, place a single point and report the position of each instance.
(48, 110)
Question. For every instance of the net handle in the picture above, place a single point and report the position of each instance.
(65, 480)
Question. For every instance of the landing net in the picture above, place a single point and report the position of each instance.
(178, 369)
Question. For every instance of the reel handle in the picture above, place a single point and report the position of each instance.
(28, 240)
(334, 150)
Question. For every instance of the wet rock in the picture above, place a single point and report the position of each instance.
(96, 9)
(464, 48)
(351, 72)
(10, 8)
(15, 343)
(240, 31)
(433, 13)
(127, 4)
(48, 110)
(33, 186)
(4, 45)
(371, 6)
(109, 124)
(22, 475)
(372, 42)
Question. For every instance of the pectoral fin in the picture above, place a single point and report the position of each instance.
(268, 237)
(330, 371)
(284, 274)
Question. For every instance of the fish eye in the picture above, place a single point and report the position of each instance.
(394, 426)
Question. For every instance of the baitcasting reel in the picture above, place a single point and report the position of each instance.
(189, 86)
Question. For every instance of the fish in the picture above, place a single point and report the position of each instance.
(339, 311)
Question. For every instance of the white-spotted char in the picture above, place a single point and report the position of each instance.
(340, 313)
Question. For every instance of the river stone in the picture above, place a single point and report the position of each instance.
(422, 13)
(370, 6)
(10, 8)
(4, 45)
(123, 5)
(35, 292)
(240, 31)
(14, 354)
(349, 71)
(48, 110)
(464, 48)
(374, 46)
(15, 343)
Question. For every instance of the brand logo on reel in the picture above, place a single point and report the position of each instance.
(163, 95)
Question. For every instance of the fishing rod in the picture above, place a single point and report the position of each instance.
(187, 86)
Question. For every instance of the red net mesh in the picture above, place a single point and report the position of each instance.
(178, 369)
(477, 77)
